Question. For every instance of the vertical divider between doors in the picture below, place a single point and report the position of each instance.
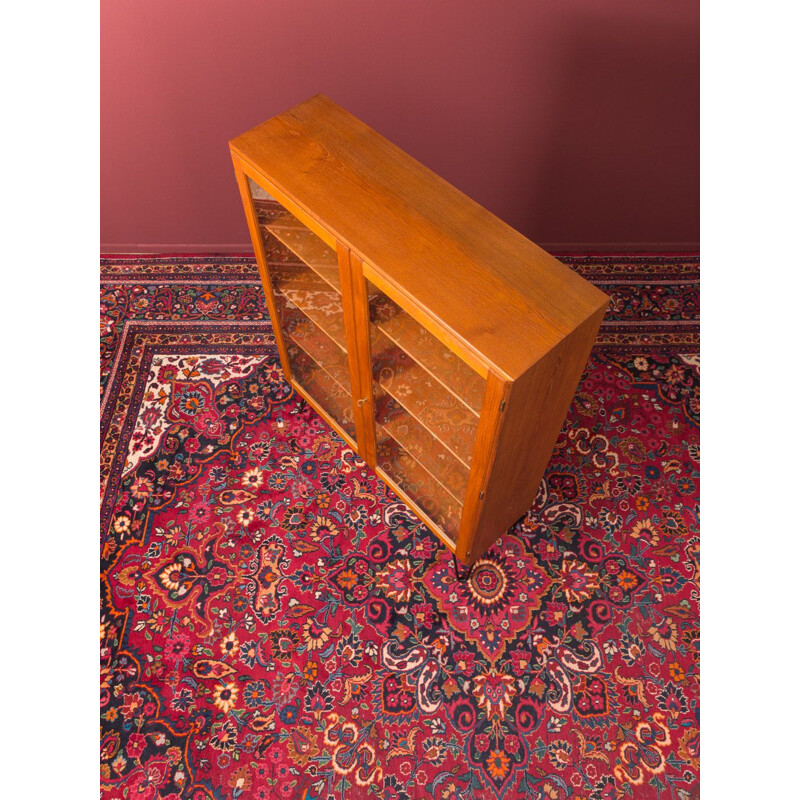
(261, 260)
(356, 326)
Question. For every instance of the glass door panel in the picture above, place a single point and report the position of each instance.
(427, 407)
(304, 275)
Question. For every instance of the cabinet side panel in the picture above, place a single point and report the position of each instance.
(495, 399)
(537, 405)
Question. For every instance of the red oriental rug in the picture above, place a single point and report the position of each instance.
(276, 624)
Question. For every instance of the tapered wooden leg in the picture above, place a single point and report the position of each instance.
(461, 575)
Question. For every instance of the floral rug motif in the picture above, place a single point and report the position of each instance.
(275, 623)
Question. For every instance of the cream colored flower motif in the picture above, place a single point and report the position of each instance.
(230, 645)
(665, 633)
(314, 635)
(253, 478)
(122, 524)
(170, 577)
(323, 527)
(645, 529)
(225, 695)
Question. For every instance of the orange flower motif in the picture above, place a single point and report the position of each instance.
(323, 500)
(301, 745)
(347, 579)
(241, 779)
(498, 764)
(626, 580)
(322, 528)
(141, 488)
(549, 791)
(171, 578)
(689, 747)
(677, 672)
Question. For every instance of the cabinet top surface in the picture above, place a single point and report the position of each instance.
(502, 295)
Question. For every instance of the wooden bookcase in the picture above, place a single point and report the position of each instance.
(440, 343)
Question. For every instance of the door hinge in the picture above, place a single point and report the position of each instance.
(502, 405)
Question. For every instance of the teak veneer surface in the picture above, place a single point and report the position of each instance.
(503, 297)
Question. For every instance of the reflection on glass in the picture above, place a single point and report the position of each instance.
(418, 484)
(440, 412)
(304, 274)
(427, 406)
(443, 364)
(322, 387)
(396, 422)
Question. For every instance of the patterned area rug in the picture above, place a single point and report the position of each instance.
(276, 624)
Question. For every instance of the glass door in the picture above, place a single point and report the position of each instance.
(427, 404)
(304, 276)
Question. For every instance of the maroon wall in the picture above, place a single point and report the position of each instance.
(575, 121)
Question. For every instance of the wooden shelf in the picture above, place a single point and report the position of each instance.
(308, 247)
(431, 454)
(417, 483)
(428, 351)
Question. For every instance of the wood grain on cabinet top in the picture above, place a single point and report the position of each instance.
(501, 295)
